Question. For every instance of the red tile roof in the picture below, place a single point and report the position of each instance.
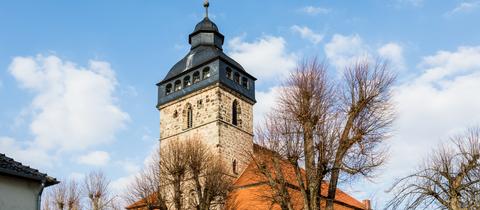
(252, 191)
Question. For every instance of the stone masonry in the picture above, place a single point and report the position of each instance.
(212, 123)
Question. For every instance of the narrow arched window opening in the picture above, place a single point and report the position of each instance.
(168, 89)
(236, 77)
(245, 82)
(229, 73)
(196, 77)
(178, 85)
(234, 167)
(206, 73)
(186, 81)
(189, 116)
(235, 112)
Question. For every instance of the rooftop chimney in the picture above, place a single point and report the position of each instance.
(367, 204)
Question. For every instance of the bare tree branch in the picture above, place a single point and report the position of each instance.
(449, 178)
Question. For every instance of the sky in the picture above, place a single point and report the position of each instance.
(77, 78)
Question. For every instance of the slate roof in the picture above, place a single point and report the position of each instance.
(9, 166)
(206, 25)
(197, 57)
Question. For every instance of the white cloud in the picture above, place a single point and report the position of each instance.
(393, 52)
(439, 102)
(267, 101)
(129, 166)
(266, 57)
(343, 51)
(95, 158)
(120, 184)
(307, 33)
(73, 108)
(311, 10)
(463, 7)
(76, 176)
(25, 154)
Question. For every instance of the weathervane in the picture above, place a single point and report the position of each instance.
(206, 4)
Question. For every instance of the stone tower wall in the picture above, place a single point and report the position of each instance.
(236, 141)
(212, 122)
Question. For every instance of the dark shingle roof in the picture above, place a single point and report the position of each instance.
(9, 166)
(197, 57)
(206, 25)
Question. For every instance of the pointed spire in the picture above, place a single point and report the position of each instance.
(206, 5)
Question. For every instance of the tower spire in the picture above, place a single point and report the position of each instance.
(206, 5)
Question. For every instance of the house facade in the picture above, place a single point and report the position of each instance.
(21, 187)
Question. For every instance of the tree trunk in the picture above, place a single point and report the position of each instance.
(309, 149)
(177, 194)
(332, 188)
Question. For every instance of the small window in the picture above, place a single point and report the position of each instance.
(178, 85)
(235, 113)
(175, 114)
(189, 116)
(234, 167)
(236, 77)
(199, 104)
(196, 77)
(168, 89)
(229, 73)
(206, 73)
(245, 82)
(186, 81)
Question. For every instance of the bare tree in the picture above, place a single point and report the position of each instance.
(97, 192)
(332, 128)
(173, 169)
(65, 195)
(148, 190)
(300, 131)
(209, 175)
(182, 164)
(448, 179)
(366, 115)
(59, 196)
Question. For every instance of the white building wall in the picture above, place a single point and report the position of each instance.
(18, 194)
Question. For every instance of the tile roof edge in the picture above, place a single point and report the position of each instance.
(41, 177)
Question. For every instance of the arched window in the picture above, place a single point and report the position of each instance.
(178, 85)
(229, 73)
(245, 82)
(196, 77)
(236, 77)
(168, 89)
(206, 73)
(186, 81)
(234, 167)
(189, 116)
(235, 112)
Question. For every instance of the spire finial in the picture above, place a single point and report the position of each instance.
(206, 4)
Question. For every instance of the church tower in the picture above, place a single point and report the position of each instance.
(210, 96)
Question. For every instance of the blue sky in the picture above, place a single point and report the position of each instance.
(77, 78)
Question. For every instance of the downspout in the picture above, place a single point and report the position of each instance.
(39, 199)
